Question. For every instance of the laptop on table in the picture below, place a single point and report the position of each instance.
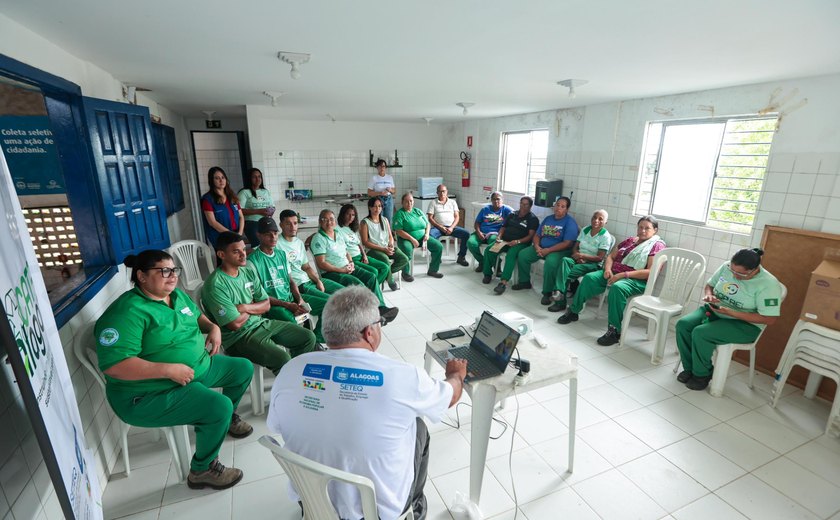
(489, 350)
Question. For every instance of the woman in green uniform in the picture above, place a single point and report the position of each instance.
(412, 228)
(740, 299)
(348, 226)
(160, 370)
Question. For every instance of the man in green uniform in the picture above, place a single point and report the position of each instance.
(234, 297)
(272, 266)
(304, 275)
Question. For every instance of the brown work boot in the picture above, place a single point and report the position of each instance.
(216, 476)
(239, 428)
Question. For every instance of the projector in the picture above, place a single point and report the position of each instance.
(518, 322)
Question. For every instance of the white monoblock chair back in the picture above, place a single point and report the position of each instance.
(674, 275)
(83, 348)
(723, 358)
(190, 255)
(311, 479)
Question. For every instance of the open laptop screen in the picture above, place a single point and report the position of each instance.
(495, 339)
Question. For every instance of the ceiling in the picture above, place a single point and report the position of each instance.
(386, 60)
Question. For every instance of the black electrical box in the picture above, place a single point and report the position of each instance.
(547, 192)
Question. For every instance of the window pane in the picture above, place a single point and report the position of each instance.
(686, 168)
(515, 166)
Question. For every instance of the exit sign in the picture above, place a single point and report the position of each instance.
(213, 123)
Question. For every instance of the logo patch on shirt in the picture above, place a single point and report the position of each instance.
(314, 371)
(357, 376)
(108, 337)
(186, 311)
(313, 385)
(730, 289)
(221, 312)
(771, 302)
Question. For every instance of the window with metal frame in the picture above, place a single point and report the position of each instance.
(523, 160)
(707, 172)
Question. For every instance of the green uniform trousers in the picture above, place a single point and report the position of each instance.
(399, 258)
(697, 341)
(435, 249)
(310, 288)
(272, 344)
(382, 270)
(474, 245)
(196, 404)
(593, 284)
(570, 270)
(550, 269)
(511, 256)
(366, 277)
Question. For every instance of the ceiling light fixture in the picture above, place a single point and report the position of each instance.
(465, 106)
(571, 84)
(208, 113)
(428, 120)
(273, 95)
(295, 59)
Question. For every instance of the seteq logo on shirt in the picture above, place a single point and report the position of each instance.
(357, 376)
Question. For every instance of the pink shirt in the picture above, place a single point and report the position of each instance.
(624, 249)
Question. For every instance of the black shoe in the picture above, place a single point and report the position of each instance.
(462, 261)
(557, 306)
(684, 376)
(478, 269)
(393, 285)
(546, 299)
(407, 277)
(611, 337)
(435, 274)
(521, 286)
(389, 313)
(486, 279)
(567, 318)
(500, 288)
(698, 383)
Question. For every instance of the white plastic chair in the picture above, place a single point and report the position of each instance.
(86, 354)
(722, 358)
(310, 480)
(682, 270)
(189, 255)
(450, 243)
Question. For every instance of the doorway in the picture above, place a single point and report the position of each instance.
(223, 149)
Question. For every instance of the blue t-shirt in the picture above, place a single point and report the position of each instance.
(552, 231)
(490, 221)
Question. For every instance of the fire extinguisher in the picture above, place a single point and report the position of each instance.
(465, 170)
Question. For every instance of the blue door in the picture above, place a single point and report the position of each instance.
(132, 194)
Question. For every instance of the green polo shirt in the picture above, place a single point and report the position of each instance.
(335, 250)
(134, 325)
(351, 240)
(760, 294)
(296, 256)
(590, 245)
(413, 222)
(273, 270)
(222, 293)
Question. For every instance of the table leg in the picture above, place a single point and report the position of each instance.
(483, 399)
(572, 421)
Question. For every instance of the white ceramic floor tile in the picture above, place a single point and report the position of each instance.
(255, 461)
(494, 498)
(141, 491)
(710, 506)
(652, 429)
(633, 359)
(705, 465)
(666, 378)
(755, 499)
(610, 400)
(497, 446)
(613, 496)
(736, 446)
(613, 442)
(722, 408)
(178, 491)
(435, 506)
(642, 389)
(144, 451)
(585, 413)
(806, 488)
(606, 368)
(686, 417)
(669, 486)
(565, 503)
(819, 459)
(767, 431)
(803, 415)
(535, 424)
(532, 476)
(216, 505)
(266, 499)
(145, 515)
(448, 451)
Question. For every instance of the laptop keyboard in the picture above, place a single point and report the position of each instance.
(477, 365)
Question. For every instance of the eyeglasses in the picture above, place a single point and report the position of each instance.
(167, 272)
(328, 219)
(739, 274)
(381, 321)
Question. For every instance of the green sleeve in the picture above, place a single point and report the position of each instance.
(399, 220)
(769, 299)
(244, 195)
(318, 246)
(259, 290)
(218, 303)
(714, 278)
(117, 338)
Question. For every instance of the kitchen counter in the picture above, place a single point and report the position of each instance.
(335, 199)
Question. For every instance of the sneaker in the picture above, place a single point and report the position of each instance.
(546, 299)
(238, 428)
(435, 274)
(557, 306)
(462, 261)
(486, 279)
(393, 285)
(557, 295)
(216, 476)
(684, 376)
(698, 383)
(500, 288)
(521, 286)
(407, 278)
(567, 318)
(389, 313)
(478, 269)
(611, 337)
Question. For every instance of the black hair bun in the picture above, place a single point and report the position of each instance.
(130, 261)
(758, 251)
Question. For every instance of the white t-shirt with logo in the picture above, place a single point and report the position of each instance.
(355, 410)
(296, 255)
(760, 294)
(443, 212)
(380, 183)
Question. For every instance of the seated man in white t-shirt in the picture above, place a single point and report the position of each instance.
(444, 216)
(356, 410)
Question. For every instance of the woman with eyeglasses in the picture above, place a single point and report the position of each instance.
(161, 371)
(740, 299)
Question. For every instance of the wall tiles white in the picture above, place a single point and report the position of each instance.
(807, 163)
(796, 204)
(777, 182)
(772, 202)
(802, 183)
